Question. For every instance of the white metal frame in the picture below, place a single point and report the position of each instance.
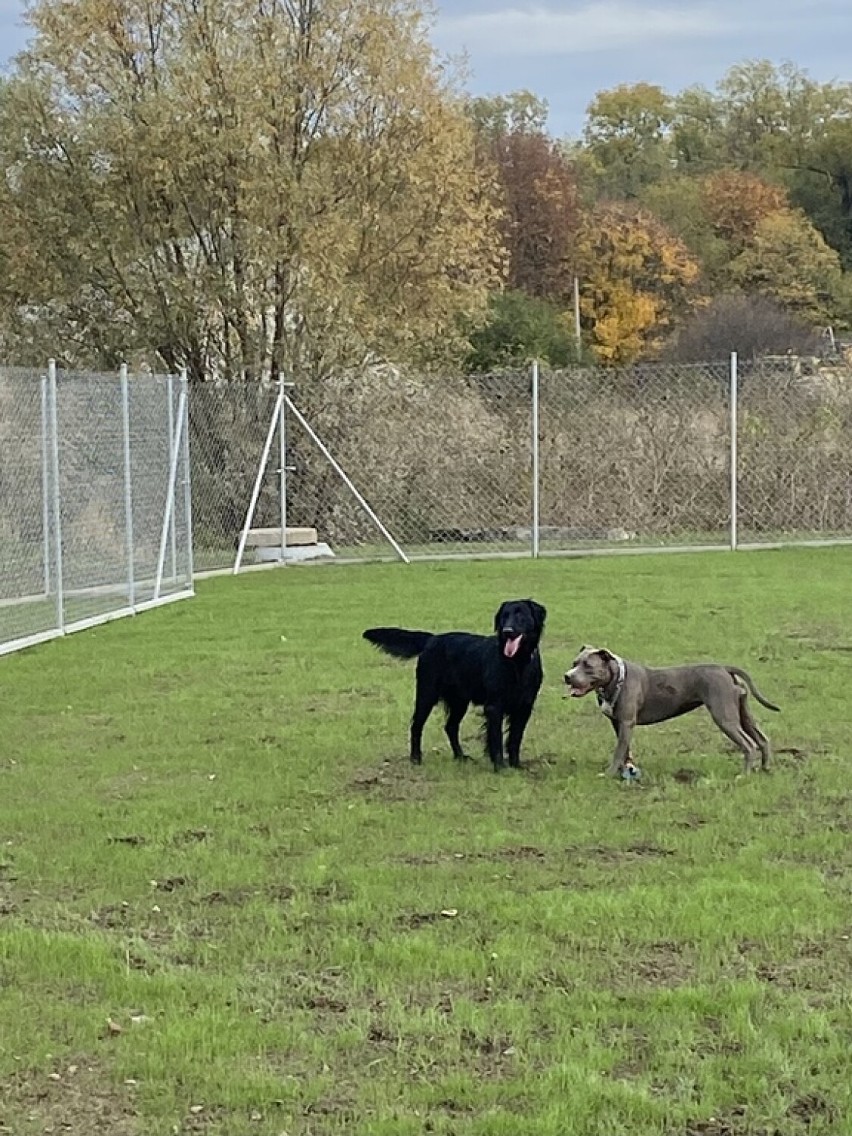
(174, 453)
(278, 421)
(536, 527)
(734, 461)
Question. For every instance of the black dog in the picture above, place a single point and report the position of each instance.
(502, 673)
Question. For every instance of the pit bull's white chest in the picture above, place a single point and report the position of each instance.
(607, 708)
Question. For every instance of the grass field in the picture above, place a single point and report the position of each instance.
(229, 906)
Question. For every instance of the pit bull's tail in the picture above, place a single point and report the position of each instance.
(736, 672)
(397, 641)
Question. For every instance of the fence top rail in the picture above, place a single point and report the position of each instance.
(19, 372)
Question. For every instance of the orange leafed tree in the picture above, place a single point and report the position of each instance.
(736, 202)
(636, 279)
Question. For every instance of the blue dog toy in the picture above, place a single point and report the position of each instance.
(631, 772)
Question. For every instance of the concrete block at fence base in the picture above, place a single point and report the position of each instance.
(294, 553)
(271, 538)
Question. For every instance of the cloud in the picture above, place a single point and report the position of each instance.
(598, 26)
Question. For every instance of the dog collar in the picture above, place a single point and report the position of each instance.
(607, 705)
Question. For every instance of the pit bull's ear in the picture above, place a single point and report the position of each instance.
(606, 655)
(539, 612)
(497, 616)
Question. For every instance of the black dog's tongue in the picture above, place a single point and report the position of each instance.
(510, 647)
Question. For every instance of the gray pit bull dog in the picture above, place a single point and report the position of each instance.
(633, 695)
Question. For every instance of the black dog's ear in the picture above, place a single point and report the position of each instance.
(539, 612)
(498, 614)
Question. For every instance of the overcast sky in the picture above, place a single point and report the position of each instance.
(565, 50)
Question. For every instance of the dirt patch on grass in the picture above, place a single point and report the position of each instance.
(77, 1099)
(239, 896)
(392, 781)
(812, 1107)
(686, 776)
(803, 1113)
(718, 1126)
(493, 1054)
(663, 964)
(593, 853)
(812, 968)
(690, 822)
(604, 854)
(494, 855)
(414, 920)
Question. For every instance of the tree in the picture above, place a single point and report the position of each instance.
(735, 203)
(520, 328)
(749, 325)
(821, 184)
(245, 185)
(789, 261)
(520, 112)
(541, 214)
(627, 135)
(759, 117)
(771, 113)
(637, 278)
(697, 130)
(680, 203)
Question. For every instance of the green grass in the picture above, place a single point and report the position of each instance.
(211, 839)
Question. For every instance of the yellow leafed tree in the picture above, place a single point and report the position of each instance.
(789, 261)
(636, 279)
(242, 186)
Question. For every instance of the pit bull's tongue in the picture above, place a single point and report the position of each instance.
(510, 647)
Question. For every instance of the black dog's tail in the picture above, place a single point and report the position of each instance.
(398, 642)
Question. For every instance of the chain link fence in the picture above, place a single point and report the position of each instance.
(95, 510)
(794, 462)
(637, 457)
(522, 463)
(94, 499)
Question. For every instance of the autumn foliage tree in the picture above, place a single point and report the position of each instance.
(240, 186)
(637, 278)
(541, 214)
(736, 202)
(790, 262)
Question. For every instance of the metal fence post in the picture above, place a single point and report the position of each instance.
(187, 480)
(128, 489)
(170, 394)
(57, 500)
(282, 459)
(45, 488)
(734, 455)
(535, 460)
